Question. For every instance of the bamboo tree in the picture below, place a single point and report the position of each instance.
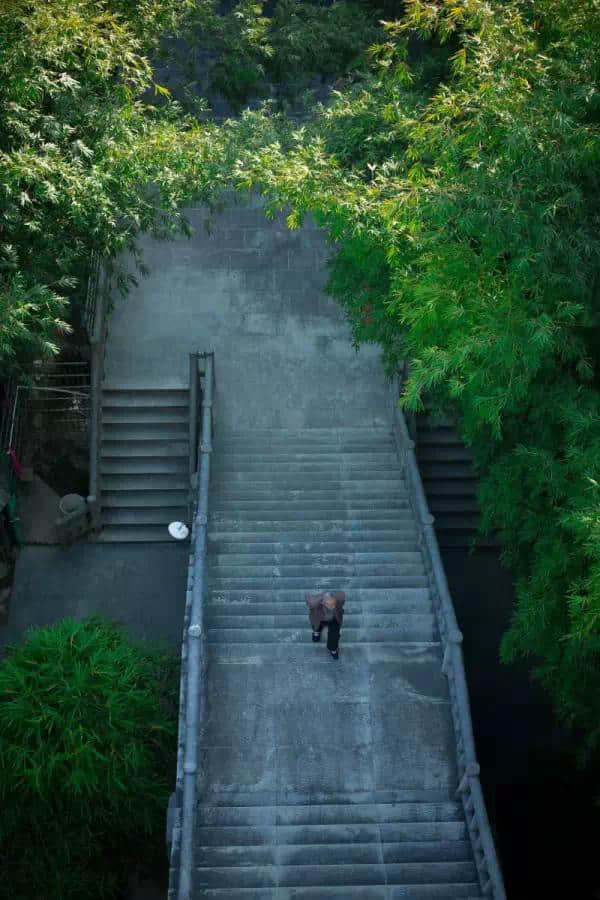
(88, 727)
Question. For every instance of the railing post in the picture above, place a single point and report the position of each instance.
(453, 639)
(193, 428)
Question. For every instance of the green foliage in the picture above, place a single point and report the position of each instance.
(464, 197)
(88, 728)
(86, 161)
(301, 41)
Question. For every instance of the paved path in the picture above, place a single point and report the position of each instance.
(252, 291)
(142, 587)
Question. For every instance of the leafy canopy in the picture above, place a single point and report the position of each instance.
(87, 159)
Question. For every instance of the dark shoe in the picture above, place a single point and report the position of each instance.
(316, 636)
(334, 654)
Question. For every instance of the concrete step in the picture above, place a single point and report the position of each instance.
(433, 453)
(143, 515)
(325, 582)
(437, 850)
(141, 415)
(397, 497)
(299, 654)
(445, 471)
(266, 478)
(145, 431)
(319, 548)
(349, 807)
(460, 505)
(410, 628)
(142, 448)
(302, 471)
(148, 397)
(428, 420)
(309, 436)
(414, 626)
(456, 522)
(456, 487)
(401, 598)
(388, 504)
(294, 611)
(318, 457)
(292, 531)
(353, 892)
(333, 833)
(144, 465)
(306, 433)
(292, 876)
(258, 449)
(453, 541)
(142, 498)
(314, 570)
(273, 855)
(437, 434)
(295, 616)
(335, 875)
(135, 533)
(351, 513)
(291, 853)
(137, 482)
(286, 557)
(345, 492)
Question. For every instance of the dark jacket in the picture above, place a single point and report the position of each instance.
(315, 607)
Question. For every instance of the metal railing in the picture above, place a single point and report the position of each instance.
(192, 690)
(91, 299)
(469, 787)
(97, 325)
(15, 417)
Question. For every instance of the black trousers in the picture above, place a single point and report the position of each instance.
(333, 633)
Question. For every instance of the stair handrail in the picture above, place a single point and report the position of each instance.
(192, 690)
(97, 324)
(469, 787)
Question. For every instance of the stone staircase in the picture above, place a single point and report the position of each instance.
(320, 778)
(450, 483)
(144, 468)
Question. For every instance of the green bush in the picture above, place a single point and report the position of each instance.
(88, 159)
(301, 41)
(88, 738)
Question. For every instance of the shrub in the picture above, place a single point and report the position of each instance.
(88, 727)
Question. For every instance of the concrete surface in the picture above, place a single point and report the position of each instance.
(283, 723)
(252, 291)
(38, 512)
(139, 586)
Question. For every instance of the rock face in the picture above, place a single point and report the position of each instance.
(323, 779)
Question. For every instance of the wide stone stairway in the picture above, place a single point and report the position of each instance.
(320, 778)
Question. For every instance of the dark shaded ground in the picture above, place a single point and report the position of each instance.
(141, 586)
(547, 823)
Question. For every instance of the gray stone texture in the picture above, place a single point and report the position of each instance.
(252, 291)
(143, 588)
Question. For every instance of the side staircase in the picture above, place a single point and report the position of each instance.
(319, 778)
(450, 482)
(144, 462)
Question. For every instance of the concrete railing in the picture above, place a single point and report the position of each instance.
(469, 787)
(192, 691)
